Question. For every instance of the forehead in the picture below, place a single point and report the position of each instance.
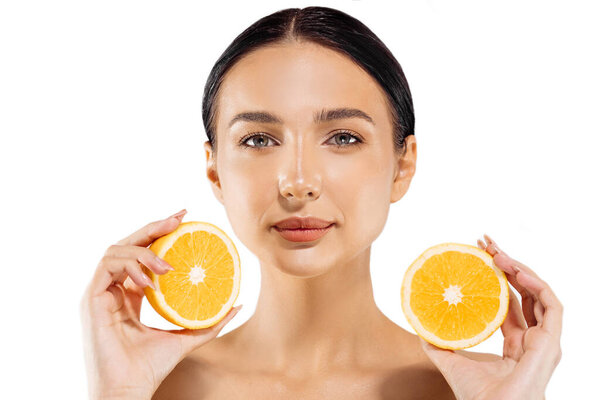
(296, 79)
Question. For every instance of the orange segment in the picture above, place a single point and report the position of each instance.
(206, 280)
(454, 296)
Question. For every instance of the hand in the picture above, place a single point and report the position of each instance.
(125, 358)
(531, 342)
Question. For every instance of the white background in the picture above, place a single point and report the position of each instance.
(100, 117)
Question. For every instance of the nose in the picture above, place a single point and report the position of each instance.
(299, 190)
(299, 177)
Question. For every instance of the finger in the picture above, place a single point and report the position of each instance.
(117, 300)
(135, 295)
(194, 338)
(507, 264)
(143, 255)
(511, 267)
(503, 260)
(133, 298)
(481, 244)
(515, 321)
(551, 320)
(538, 310)
(149, 233)
(131, 287)
(513, 328)
(493, 250)
(444, 359)
(527, 300)
(215, 329)
(490, 246)
(113, 270)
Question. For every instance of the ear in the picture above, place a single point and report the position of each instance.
(405, 169)
(211, 172)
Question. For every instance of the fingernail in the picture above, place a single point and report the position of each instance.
(148, 281)
(238, 308)
(517, 269)
(498, 251)
(164, 264)
(178, 214)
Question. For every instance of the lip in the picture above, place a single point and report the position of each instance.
(303, 223)
(303, 229)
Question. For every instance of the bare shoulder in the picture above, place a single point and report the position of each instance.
(192, 377)
(178, 384)
(401, 369)
(415, 377)
(426, 378)
(416, 381)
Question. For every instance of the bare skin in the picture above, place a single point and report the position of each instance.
(124, 358)
(316, 331)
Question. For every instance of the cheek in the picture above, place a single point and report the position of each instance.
(363, 196)
(247, 193)
(372, 209)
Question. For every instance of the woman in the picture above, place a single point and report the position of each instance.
(308, 114)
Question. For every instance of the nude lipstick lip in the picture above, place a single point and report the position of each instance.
(304, 229)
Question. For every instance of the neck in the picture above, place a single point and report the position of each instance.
(309, 324)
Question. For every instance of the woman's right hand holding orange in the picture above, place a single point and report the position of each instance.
(125, 358)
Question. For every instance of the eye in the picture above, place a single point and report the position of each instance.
(345, 139)
(257, 138)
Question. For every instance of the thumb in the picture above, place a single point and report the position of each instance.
(191, 339)
(444, 359)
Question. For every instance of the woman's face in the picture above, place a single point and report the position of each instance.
(294, 167)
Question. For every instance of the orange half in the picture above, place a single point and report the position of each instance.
(454, 296)
(206, 280)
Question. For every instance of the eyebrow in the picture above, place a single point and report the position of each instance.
(324, 116)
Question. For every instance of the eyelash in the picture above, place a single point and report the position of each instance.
(259, 148)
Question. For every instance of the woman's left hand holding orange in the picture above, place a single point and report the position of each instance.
(531, 342)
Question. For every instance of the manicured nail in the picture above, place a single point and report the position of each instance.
(517, 269)
(178, 214)
(148, 281)
(164, 264)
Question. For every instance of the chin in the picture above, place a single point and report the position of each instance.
(301, 265)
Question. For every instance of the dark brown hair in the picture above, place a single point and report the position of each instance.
(333, 29)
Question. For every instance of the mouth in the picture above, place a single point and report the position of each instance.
(303, 234)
